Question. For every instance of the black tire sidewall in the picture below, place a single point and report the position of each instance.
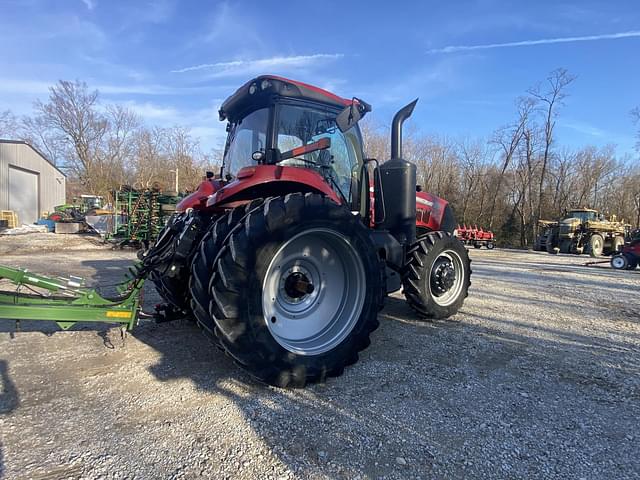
(424, 302)
(432, 255)
(246, 336)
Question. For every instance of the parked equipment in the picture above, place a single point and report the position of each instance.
(582, 230)
(140, 215)
(478, 237)
(286, 260)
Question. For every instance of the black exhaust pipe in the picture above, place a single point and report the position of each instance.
(395, 195)
(396, 128)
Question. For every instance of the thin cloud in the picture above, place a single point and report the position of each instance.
(90, 4)
(241, 67)
(543, 41)
(40, 87)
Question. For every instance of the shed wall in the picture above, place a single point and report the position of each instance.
(51, 181)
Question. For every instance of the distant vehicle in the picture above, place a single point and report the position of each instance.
(478, 237)
(582, 230)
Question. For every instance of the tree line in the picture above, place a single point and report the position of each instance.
(521, 173)
(507, 182)
(101, 147)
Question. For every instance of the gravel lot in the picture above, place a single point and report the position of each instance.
(538, 376)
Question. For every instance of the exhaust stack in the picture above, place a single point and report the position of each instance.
(395, 197)
(396, 128)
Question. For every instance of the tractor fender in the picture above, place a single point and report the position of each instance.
(270, 180)
(198, 199)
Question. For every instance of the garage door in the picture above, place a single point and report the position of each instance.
(23, 194)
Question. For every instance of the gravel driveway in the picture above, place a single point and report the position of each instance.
(537, 377)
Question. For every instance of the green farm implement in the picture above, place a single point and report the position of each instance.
(67, 301)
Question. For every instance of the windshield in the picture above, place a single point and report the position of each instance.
(298, 126)
(245, 137)
(583, 216)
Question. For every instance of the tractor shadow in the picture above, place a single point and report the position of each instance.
(9, 401)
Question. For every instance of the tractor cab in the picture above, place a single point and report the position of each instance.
(583, 214)
(273, 121)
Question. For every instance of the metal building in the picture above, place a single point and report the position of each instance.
(29, 183)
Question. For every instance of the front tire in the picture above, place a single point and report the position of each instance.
(620, 262)
(437, 276)
(295, 290)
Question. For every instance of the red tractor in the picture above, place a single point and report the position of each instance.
(287, 257)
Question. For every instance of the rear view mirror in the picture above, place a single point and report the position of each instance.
(348, 117)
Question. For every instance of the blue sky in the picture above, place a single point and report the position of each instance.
(174, 61)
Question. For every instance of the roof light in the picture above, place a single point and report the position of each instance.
(265, 84)
(253, 88)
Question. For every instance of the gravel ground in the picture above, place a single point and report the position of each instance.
(537, 377)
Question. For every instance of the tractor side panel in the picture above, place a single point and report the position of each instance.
(433, 213)
(270, 180)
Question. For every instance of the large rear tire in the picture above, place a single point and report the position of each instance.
(171, 255)
(295, 290)
(203, 261)
(171, 285)
(596, 245)
(437, 276)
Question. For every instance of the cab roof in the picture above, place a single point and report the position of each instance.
(260, 91)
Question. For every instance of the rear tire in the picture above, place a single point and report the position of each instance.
(437, 276)
(279, 333)
(203, 261)
(491, 245)
(616, 245)
(551, 247)
(596, 245)
(170, 285)
(565, 245)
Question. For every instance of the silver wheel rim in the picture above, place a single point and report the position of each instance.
(617, 262)
(445, 292)
(314, 321)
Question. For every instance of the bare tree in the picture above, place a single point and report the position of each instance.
(508, 139)
(8, 125)
(35, 130)
(635, 115)
(96, 142)
(549, 95)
